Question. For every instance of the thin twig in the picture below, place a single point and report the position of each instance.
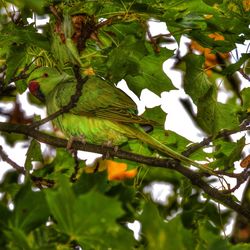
(222, 134)
(240, 179)
(5, 158)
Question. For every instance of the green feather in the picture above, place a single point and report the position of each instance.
(102, 115)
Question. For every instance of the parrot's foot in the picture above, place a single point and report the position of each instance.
(73, 139)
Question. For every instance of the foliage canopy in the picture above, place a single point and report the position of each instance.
(64, 204)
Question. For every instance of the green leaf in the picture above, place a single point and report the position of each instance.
(245, 94)
(31, 4)
(34, 153)
(155, 114)
(133, 51)
(151, 75)
(212, 116)
(139, 147)
(15, 60)
(162, 235)
(217, 45)
(170, 139)
(95, 181)
(30, 210)
(240, 246)
(62, 164)
(226, 153)
(185, 190)
(9, 185)
(236, 66)
(89, 219)
(196, 82)
(28, 36)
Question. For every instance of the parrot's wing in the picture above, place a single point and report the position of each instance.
(122, 115)
(102, 100)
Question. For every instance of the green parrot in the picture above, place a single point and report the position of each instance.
(103, 114)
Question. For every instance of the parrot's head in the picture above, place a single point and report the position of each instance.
(44, 79)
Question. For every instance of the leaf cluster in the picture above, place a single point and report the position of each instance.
(58, 204)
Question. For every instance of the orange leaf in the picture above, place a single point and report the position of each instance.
(117, 171)
(210, 58)
(216, 36)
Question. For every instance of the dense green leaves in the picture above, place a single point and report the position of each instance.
(59, 204)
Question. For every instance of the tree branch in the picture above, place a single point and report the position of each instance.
(194, 177)
(245, 125)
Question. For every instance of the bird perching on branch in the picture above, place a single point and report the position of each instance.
(103, 114)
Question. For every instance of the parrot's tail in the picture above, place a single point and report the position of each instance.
(155, 144)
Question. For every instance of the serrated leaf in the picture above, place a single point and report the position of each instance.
(34, 153)
(151, 75)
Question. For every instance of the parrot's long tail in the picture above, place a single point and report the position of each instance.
(155, 144)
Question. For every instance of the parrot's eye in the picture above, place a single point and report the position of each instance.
(45, 75)
(33, 87)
